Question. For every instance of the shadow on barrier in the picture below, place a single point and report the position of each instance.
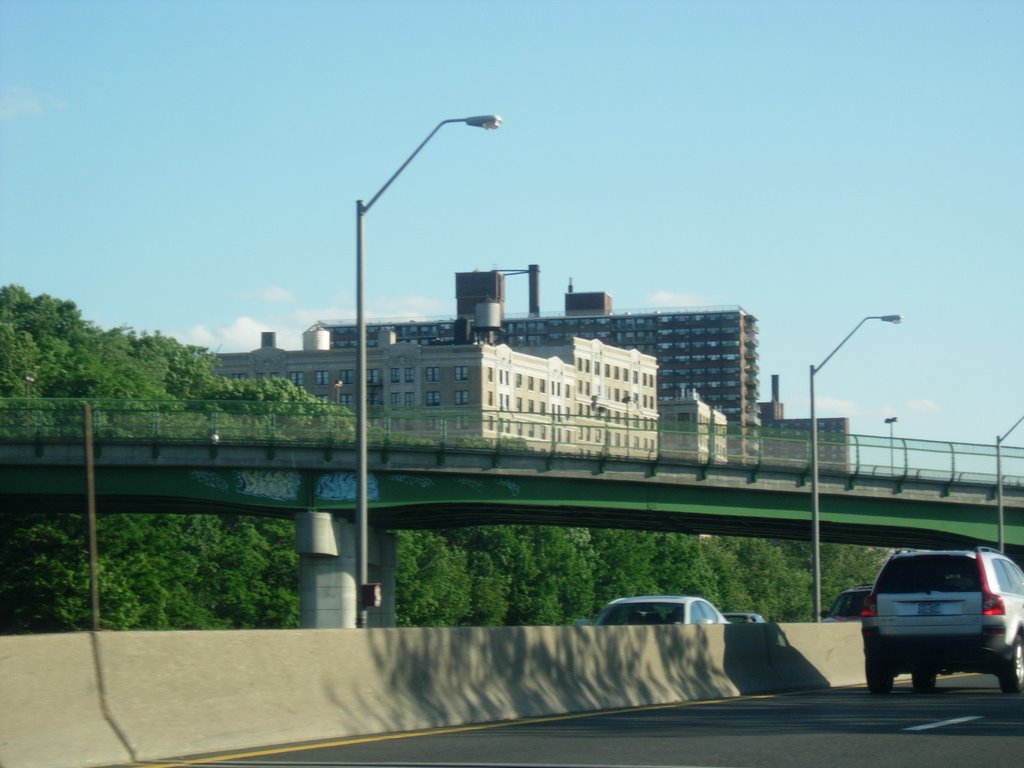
(483, 674)
(759, 658)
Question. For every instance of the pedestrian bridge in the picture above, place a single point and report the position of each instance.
(430, 468)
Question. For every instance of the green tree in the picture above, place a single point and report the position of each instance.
(67, 356)
(43, 568)
(433, 585)
(622, 564)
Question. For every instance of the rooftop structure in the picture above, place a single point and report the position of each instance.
(712, 350)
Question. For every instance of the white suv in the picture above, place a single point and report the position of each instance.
(938, 612)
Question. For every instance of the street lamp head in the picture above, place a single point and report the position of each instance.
(891, 318)
(891, 420)
(487, 122)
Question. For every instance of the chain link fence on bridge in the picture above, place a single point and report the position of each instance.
(323, 424)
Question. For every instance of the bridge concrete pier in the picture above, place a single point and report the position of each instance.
(328, 593)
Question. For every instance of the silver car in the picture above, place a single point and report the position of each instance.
(659, 609)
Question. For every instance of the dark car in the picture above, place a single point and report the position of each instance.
(847, 605)
(738, 617)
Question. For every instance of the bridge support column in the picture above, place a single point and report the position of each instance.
(328, 597)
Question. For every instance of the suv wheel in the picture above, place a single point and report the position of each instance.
(878, 676)
(1011, 678)
(923, 679)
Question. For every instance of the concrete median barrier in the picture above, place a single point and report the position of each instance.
(166, 694)
(818, 655)
(51, 710)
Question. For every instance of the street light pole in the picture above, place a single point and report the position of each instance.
(892, 461)
(488, 122)
(999, 482)
(815, 509)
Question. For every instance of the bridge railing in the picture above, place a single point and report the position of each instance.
(41, 420)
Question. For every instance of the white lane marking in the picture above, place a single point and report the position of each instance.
(943, 723)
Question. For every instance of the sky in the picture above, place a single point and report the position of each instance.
(191, 167)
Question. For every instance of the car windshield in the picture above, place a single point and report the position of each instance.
(930, 573)
(642, 613)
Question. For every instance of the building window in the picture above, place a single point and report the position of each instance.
(296, 377)
(373, 376)
(410, 398)
(462, 397)
(345, 400)
(396, 398)
(461, 373)
(396, 376)
(433, 398)
(345, 377)
(432, 374)
(322, 378)
(410, 375)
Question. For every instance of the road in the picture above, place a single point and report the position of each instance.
(966, 721)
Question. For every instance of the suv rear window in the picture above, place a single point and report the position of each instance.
(848, 604)
(930, 573)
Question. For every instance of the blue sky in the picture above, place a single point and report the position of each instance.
(192, 168)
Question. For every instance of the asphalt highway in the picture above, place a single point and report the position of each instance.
(965, 722)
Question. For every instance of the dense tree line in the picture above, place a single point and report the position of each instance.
(229, 571)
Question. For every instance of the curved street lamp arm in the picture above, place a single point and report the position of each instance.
(884, 318)
(488, 122)
(366, 206)
(999, 440)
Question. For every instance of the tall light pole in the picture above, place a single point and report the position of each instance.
(488, 122)
(999, 481)
(815, 510)
(892, 462)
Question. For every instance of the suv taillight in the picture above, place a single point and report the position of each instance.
(991, 603)
(870, 606)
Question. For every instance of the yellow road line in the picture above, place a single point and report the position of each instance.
(456, 729)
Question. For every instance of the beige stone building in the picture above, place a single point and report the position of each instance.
(584, 395)
(693, 429)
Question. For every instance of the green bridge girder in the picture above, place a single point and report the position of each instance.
(434, 488)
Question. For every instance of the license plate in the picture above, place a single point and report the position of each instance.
(929, 609)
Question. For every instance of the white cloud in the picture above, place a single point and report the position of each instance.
(670, 299)
(278, 295)
(924, 406)
(18, 102)
(409, 306)
(241, 335)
